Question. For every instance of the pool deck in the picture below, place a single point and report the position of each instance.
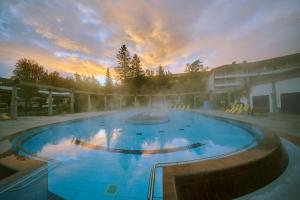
(285, 125)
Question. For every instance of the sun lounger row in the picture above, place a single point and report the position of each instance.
(178, 107)
(238, 108)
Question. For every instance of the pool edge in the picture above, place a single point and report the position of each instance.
(228, 177)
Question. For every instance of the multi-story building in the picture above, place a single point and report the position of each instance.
(230, 83)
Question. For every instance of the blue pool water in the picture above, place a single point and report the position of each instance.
(108, 158)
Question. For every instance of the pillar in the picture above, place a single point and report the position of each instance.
(105, 102)
(178, 99)
(135, 101)
(14, 102)
(50, 101)
(120, 102)
(195, 101)
(72, 102)
(211, 96)
(150, 100)
(229, 98)
(273, 98)
(89, 104)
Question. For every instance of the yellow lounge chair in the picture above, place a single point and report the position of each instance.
(240, 109)
(228, 110)
(246, 108)
(234, 109)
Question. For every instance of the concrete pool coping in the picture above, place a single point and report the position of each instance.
(210, 174)
(228, 177)
(9, 128)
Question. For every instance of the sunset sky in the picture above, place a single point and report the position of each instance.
(84, 36)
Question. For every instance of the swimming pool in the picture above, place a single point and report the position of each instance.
(107, 157)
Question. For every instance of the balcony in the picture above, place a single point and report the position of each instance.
(251, 74)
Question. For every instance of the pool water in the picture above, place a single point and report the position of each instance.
(106, 157)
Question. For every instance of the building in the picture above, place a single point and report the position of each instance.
(271, 85)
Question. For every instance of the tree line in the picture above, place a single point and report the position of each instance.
(31, 71)
(134, 79)
(130, 77)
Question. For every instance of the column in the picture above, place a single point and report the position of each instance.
(14, 102)
(50, 101)
(273, 98)
(211, 99)
(135, 101)
(150, 100)
(89, 104)
(229, 98)
(72, 102)
(105, 102)
(178, 99)
(195, 101)
(120, 102)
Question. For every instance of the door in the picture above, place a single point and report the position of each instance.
(290, 103)
(261, 103)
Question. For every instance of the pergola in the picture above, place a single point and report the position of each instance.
(71, 92)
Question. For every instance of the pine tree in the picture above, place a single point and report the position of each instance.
(108, 82)
(138, 76)
(123, 69)
(135, 65)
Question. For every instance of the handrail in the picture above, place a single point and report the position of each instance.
(153, 169)
(35, 175)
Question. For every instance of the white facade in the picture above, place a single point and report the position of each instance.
(231, 77)
(286, 86)
(281, 87)
(260, 90)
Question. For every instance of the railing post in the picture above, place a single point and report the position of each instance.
(14, 102)
(89, 104)
(50, 100)
(72, 101)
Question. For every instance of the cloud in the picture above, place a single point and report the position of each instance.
(62, 42)
(85, 36)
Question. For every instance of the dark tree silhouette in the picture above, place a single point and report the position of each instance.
(108, 82)
(123, 69)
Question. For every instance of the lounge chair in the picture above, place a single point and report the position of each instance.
(229, 110)
(235, 108)
(188, 107)
(247, 108)
(240, 109)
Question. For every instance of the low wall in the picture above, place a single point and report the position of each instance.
(228, 177)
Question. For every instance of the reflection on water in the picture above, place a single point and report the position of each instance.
(84, 170)
(151, 145)
(62, 150)
(213, 149)
(104, 138)
(176, 142)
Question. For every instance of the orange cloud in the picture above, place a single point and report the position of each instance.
(11, 53)
(60, 41)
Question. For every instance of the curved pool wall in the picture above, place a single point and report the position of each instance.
(104, 157)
